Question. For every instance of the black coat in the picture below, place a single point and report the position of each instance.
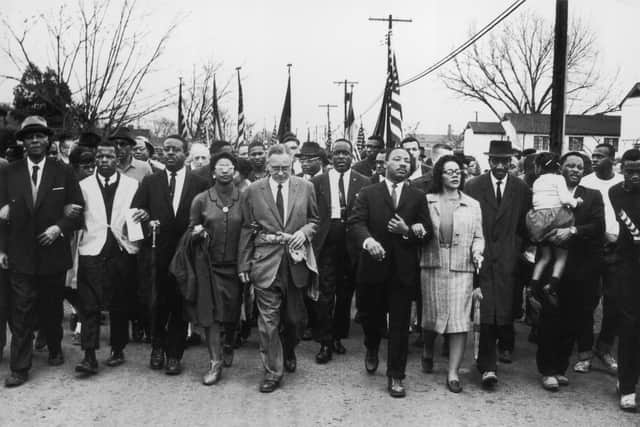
(58, 187)
(372, 211)
(364, 167)
(323, 198)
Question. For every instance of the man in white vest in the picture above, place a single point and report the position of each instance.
(107, 264)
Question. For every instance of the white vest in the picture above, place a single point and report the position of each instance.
(94, 234)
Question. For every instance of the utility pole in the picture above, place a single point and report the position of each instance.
(558, 94)
(328, 107)
(345, 83)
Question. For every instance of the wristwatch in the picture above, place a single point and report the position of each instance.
(573, 230)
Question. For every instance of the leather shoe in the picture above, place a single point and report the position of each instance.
(338, 347)
(267, 386)
(454, 386)
(489, 379)
(15, 379)
(427, 365)
(116, 359)
(87, 366)
(324, 355)
(396, 389)
(157, 358)
(227, 355)
(214, 374)
(307, 335)
(290, 363)
(41, 342)
(56, 359)
(505, 356)
(173, 367)
(371, 360)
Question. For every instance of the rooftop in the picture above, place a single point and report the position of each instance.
(486, 128)
(596, 125)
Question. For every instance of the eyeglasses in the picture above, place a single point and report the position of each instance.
(280, 168)
(451, 172)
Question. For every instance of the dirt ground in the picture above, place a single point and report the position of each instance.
(339, 393)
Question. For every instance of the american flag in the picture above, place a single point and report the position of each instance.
(274, 134)
(241, 135)
(182, 123)
(389, 124)
(351, 118)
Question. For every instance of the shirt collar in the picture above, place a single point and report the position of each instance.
(390, 184)
(494, 180)
(40, 164)
(335, 173)
(274, 184)
(179, 173)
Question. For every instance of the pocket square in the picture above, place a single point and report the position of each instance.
(57, 188)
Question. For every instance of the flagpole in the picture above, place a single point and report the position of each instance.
(328, 107)
(346, 97)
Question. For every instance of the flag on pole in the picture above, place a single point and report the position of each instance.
(241, 135)
(285, 117)
(360, 142)
(183, 131)
(389, 124)
(274, 134)
(351, 118)
(215, 114)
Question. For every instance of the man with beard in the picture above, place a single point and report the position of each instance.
(602, 179)
(258, 159)
(367, 166)
(504, 201)
(336, 191)
(127, 164)
(387, 272)
(107, 262)
(625, 199)
(571, 321)
(166, 197)
(35, 247)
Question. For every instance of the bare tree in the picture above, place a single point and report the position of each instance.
(163, 127)
(102, 54)
(511, 71)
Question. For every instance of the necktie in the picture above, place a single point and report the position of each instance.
(34, 175)
(280, 202)
(106, 182)
(343, 199)
(394, 195)
(172, 186)
(498, 192)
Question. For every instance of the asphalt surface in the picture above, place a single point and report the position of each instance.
(339, 393)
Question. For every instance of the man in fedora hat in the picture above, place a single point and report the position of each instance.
(127, 164)
(37, 189)
(311, 157)
(504, 201)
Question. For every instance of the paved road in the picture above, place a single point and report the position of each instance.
(340, 393)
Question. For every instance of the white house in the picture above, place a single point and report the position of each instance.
(477, 136)
(630, 126)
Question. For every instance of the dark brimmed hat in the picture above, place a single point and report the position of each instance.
(123, 134)
(500, 149)
(150, 148)
(31, 125)
(310, 149)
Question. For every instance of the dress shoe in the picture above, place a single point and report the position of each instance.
(550, 383)
(307, 335)
(267, 385)
(214, 373)
(137, 332)
(227, 355)
(290, 363)
(505, 356)
(338, 347)
(427, 364)
(41, 342)
(15, 379)
(56, 359)
(489, 379)
(563, 381)
(157, 358)
(371, 360)
(324, 355)
(454, 386)
(608, 361)
(87, 366)
(628, 403)
(396, 389)
(173, 366)
(582, 366)
(550, 295)
(115, 359)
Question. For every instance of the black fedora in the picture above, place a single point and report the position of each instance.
(310, 149)
(31, 125)
(500, 149)
(123, 134)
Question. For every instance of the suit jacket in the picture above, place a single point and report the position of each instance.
(153, 196)
(323, 195)
(424, 182)
(372, 211)
(364, 167)
(205, 173)
(29, 218)
(94, 236)
(259, 211)
(504, 232)
(467, 239)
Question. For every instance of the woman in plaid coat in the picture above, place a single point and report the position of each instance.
(447, 264)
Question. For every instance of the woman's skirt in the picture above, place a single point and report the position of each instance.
(542, 221)
(446, 297)
(218, 301)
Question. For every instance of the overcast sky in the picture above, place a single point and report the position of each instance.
(332, 40)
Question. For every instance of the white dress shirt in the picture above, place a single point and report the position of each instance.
(177, 194)
(285, 196)
(40, 165)
(334, 191)
(494, 183)
(399, 186)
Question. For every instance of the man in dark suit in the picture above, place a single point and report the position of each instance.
(562, 326)
(412, 145)
(35, 247)
(387, 272)
(367, 166)
(166, 197)
(336, 191)
(504, 201)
